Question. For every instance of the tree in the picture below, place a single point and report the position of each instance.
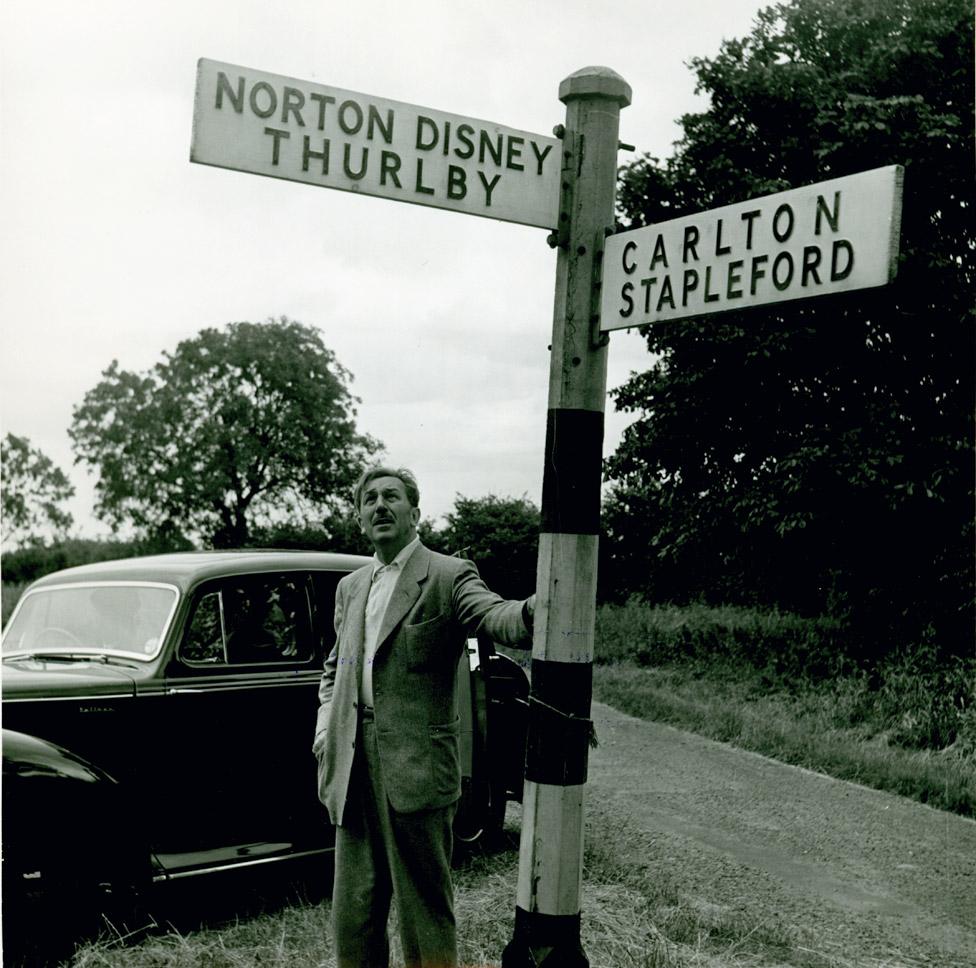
(32, 490)
(250, 425)
(501, 535)
(818, 455)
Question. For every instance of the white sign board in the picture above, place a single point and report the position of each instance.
(267, 124)
(831, 237)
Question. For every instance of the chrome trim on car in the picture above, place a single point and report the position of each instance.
(239, 687)
(173, 690)
(180, 875)
(96, 696)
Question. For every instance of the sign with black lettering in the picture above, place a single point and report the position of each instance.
(831, 237)
(267, 124)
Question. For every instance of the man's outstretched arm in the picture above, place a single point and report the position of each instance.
(479, 609)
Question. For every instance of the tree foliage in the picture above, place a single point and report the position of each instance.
(32, 490)
(240, 427)
(33, 561)
(339, 532)
(818, 455)
(499, 534)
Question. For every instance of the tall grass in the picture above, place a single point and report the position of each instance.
(773, 640)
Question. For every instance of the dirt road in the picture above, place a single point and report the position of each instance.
(868, 879)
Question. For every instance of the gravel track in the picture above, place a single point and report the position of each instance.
(865, 878)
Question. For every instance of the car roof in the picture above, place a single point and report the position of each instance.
(186, 568)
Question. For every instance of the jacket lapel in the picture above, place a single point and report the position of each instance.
(405, 594)
(355, 607)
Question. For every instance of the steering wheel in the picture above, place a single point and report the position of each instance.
(58, 631)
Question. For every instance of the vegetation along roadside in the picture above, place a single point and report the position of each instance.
(783, 686)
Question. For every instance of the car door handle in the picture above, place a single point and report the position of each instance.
(180, 691)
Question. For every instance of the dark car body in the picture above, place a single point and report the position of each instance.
(181, 745)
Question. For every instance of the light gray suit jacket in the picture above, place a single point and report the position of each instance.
(437, 602)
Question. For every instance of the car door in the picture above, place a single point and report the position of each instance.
(237, 778)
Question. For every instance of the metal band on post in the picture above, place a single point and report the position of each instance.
(548, 904)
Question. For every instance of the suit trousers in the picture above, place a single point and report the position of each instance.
(382, 854)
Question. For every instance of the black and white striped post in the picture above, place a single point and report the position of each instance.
(548, 903)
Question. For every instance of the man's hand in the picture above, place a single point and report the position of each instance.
(318, 744)
(528, 615)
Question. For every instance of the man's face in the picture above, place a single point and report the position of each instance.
(386, 515)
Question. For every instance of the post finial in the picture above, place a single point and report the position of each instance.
(595, 82)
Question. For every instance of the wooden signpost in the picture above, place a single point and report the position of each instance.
(548, 902)
(833, 237)
(267, 124)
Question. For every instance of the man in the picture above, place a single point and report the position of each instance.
(387, 731)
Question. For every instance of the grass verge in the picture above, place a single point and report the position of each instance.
(815, 726)
(634, 917)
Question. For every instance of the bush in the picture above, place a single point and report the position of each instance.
(779, 642)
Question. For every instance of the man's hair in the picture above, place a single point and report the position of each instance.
(378, 470)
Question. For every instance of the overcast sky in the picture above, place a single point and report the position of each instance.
(114, 246)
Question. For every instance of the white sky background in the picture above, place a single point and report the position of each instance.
(114, 246)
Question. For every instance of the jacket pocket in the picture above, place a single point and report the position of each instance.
(445, 759)
(425, 641)
(322, 773)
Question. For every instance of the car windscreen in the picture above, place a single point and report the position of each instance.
(121, 617)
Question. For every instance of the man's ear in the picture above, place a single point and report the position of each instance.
(415, 516)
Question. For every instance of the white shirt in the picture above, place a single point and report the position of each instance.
(380, 591)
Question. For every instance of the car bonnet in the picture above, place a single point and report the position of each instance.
(33, 677)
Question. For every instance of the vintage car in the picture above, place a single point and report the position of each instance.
(158, 714)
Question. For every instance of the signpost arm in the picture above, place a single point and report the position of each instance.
(548, 903)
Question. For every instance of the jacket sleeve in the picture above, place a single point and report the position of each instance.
(327, 682)
(479, 609)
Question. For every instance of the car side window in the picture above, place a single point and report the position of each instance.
(251, 620)
(204, 640)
